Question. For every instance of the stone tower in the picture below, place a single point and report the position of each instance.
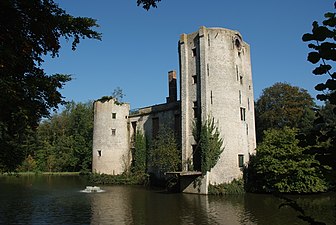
(111, 149)
(216, 82)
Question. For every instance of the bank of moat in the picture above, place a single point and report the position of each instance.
(215, 80)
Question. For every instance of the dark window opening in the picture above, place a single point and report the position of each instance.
(196, 158)
(134, 125)
(99, 153)
(194, 78)
(155, 127)
(211, 98)
(242, 114)
(194, 53)
(237, 72)
(241, 80)
(241, 160)
(114, 115)
(240, 97)
(247, 131)
(195, 108)
(113, 132)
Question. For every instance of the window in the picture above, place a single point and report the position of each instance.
(242, 114)
(237, 72)
(155, 127)
(193, 52)
(241, 79)
(240, 97)
(195, 109)
(248, 104)
(247, 129)
(99, 153)
(194, 79)
(211, 97)
(113, 132)
(208, 70)
(114, 115)
(241, 160)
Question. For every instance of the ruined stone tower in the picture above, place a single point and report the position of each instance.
(216, 82)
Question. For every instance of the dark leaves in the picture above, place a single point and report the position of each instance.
(147, 4)
(322, 69)
(313, 57)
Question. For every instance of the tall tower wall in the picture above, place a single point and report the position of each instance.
(216, 82)
(111, 150)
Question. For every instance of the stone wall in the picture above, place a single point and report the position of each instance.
(111, 151)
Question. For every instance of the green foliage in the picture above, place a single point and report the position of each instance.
(31, 30)
(209, 144)
(164, 154)
(64, 142)
(140, 153)
(280, 165)
(236, 187)
(131, 179)
(284, 105)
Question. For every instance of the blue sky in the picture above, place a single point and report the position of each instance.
(139, 47)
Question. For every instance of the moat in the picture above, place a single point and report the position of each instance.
(59, 200)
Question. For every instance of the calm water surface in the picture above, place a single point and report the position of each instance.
(58, 200)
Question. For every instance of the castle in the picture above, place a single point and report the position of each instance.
(216, 82)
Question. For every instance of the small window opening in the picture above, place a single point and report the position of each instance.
(114, 115)
(237, 72)
(209, 40)
(247, 131)
(194, 53)
(208, 70)
(195, 109)
(241, 160)
(211, 98)
(240, 97)
(99, 153)
(242, 114)
(241, 79)
(194, 78)
(113, 132)
(248, 104)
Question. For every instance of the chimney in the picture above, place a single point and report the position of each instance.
(172, 87)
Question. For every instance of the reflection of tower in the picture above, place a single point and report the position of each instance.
(111, 151)
(216, 81)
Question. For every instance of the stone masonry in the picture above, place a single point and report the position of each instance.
(216, 82)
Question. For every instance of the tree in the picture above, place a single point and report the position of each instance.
(147, 4)
(164, 155)
(65, 140)
(29, 31)
(140, 153)
(322, 138)
(324, 51)
(280, 165)
(209, 145)
(284, 105)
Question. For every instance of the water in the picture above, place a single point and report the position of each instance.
(59, 200)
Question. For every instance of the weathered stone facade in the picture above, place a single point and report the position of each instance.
(216, 82)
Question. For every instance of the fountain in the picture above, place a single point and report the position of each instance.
(92, 189)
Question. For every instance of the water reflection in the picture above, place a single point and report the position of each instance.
(58, 200)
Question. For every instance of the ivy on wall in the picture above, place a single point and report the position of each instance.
(209, 144)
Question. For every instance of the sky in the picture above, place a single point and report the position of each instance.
(139, 47)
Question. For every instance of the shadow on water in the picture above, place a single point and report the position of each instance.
(58, 200)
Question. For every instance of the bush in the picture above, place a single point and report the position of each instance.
(236, 187)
